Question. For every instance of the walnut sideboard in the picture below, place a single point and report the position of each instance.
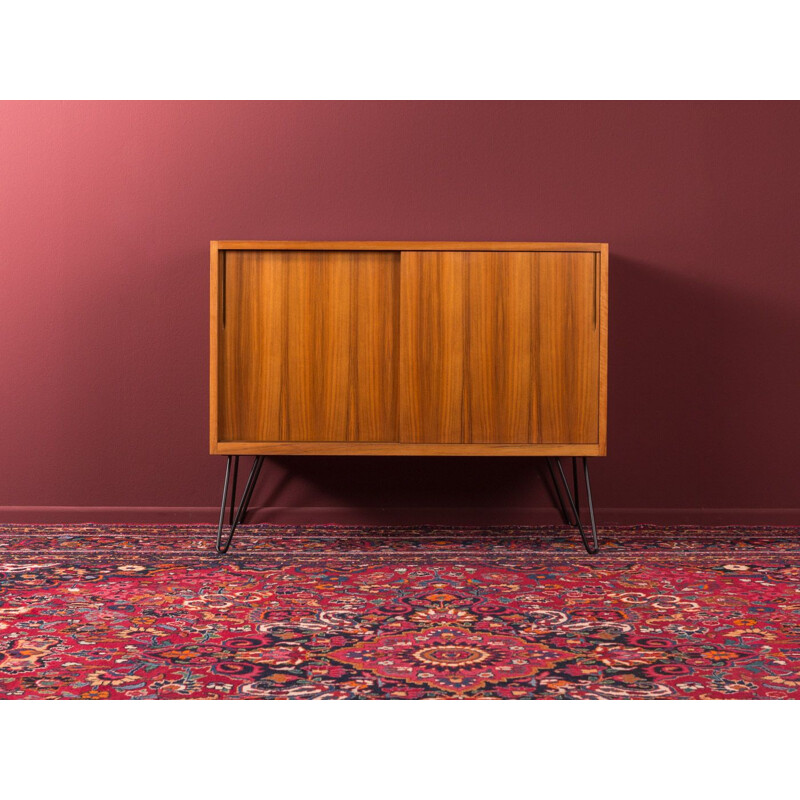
(409, 348)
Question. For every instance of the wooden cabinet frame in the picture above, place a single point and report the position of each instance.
(420, 254)
(409, 348)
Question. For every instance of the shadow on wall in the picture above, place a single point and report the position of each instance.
(702, 405)
(404, 488)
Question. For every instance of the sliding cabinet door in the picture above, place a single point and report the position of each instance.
(308, 346)
(499, 347)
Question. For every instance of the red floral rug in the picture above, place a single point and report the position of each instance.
(119, 611)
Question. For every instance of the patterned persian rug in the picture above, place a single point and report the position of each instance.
(146, 611)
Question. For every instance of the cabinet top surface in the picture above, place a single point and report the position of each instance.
(240, 244)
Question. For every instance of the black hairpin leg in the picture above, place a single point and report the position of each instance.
(574, 501)
(235, 519)
(564, 514)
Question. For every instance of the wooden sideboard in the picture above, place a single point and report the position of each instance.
(408, 348)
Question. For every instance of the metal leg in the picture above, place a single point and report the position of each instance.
(591, 505)
(562, 506)
(594, 546)
(575, 487)
(248, 489)
(235, 519)
(233, 484)
(225, 499)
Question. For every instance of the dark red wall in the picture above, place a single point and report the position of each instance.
(106, 210)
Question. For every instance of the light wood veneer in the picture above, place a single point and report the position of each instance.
(408, 348)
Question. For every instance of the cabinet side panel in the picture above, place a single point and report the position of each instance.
(213, 360)
(498, 364)
(566, 348)
(603, 345)
(432, 341)
(252, 346)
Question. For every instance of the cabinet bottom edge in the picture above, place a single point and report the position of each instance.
(403, 449)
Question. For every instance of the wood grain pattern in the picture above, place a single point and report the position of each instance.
(373, 391)
(497, 390)
(252, 347)
(317, 357)
(465, 352)
(307, 347)
(432, 369)
(566, 362)
(498, 348)
(462, 348)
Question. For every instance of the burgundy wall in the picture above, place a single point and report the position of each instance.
(106, 210)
